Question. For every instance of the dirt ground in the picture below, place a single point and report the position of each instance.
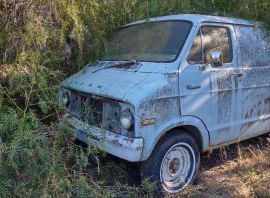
(235, 171)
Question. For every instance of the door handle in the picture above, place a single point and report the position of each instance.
(191, 87)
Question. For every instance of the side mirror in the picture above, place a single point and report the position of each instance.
(216, 59)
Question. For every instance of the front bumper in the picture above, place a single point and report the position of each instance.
(129, 149)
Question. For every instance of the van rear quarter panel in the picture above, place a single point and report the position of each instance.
(254, 84)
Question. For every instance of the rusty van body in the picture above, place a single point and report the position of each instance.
(206, 77)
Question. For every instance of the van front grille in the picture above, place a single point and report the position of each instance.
(95, 111)
(86, 108)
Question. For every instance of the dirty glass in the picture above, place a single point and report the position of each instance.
(152, 41)
(195, 55)
(211, 38)
(254, 46)
(216, 38)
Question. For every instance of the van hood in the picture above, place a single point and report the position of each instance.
(121, 84)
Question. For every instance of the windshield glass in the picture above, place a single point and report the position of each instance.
(152, 41)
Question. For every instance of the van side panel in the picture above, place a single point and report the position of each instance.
(254, 84)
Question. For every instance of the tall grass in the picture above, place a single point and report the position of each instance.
(41, 43)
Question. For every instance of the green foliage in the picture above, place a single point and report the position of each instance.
(41, 43)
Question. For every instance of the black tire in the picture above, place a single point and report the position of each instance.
(157, 167)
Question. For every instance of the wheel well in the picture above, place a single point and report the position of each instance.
(189, 129)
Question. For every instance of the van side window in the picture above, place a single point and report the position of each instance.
(196, 56)
(211, 38)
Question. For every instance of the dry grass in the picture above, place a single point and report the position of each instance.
(237, 171)
(233, 175)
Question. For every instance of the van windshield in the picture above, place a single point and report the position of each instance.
(151, 41)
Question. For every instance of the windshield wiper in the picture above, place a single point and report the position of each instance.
(120, 65)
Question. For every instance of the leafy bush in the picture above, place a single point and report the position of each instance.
(41, 43)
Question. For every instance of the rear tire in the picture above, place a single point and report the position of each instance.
(174, 163)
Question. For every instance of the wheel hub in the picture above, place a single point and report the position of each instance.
(177, 167)
(174, 166)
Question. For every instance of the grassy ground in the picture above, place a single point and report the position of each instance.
(237, 171)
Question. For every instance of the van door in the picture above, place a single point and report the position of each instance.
(209, 93)
(254, 84)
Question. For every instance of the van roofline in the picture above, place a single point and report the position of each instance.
(197, 19)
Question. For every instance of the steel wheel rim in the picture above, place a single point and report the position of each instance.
(177, 168)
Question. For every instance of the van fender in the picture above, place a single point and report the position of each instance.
(183, 121)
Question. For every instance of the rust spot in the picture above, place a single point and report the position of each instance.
(267, 101)
(250, 124)
(116, 142)
(249, 114)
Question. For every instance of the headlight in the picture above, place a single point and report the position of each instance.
(126, 119)
(64, 97)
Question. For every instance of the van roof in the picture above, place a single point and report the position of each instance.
(196, 19)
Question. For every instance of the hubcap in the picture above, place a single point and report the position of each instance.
(177, 168)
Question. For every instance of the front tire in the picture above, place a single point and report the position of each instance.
(173, 164)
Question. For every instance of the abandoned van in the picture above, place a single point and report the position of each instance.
(170, 88)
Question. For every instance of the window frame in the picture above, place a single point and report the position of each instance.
(228, 30)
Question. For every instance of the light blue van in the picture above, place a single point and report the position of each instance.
(170, 88)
